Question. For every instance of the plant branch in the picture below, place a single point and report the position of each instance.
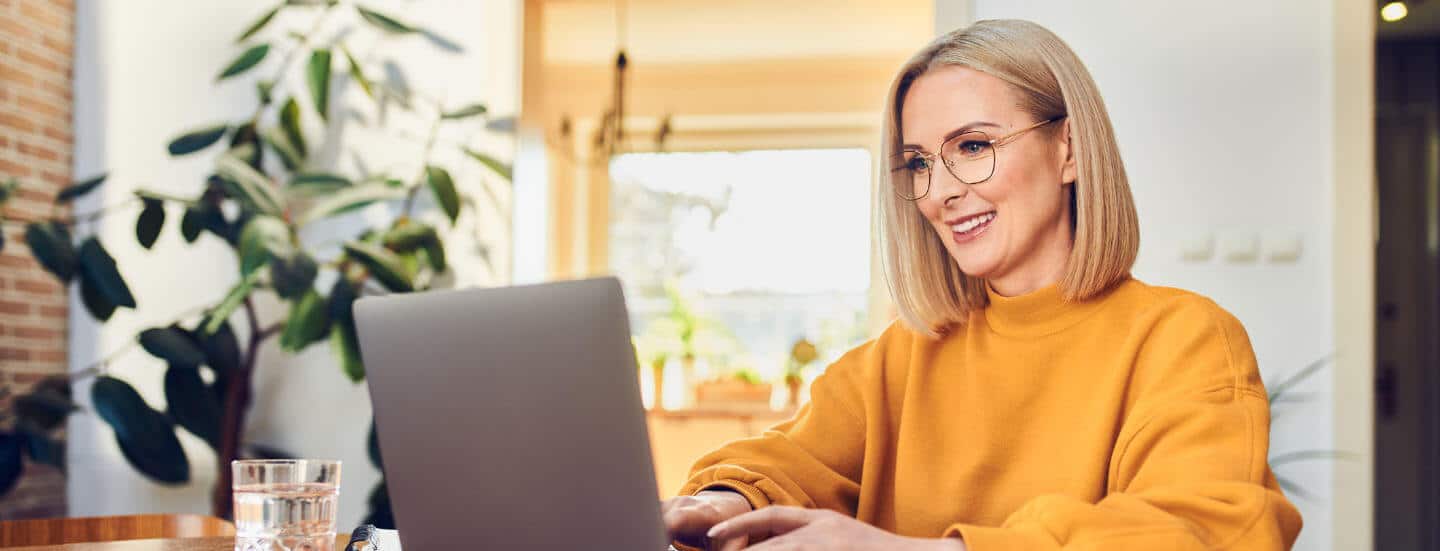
(284, 69)
(424, 162)
(99, 367)
(73, 220)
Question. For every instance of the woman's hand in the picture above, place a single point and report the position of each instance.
(687, 518)
(795, 528)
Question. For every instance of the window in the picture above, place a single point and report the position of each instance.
(768, 246)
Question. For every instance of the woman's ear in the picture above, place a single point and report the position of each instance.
(1067, 153)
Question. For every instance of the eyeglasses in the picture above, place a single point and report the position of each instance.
(969, 156)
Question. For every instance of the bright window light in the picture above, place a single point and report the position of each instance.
(1394, 11)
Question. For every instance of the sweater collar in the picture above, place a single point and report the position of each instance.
(1040, 312)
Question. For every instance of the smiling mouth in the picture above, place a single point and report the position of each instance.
(970, 227)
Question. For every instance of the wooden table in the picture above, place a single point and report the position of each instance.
(186, 544)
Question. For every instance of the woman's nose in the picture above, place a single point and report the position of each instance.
(946, 187)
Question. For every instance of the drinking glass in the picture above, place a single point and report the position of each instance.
(285, 504)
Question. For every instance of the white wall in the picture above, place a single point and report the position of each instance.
(144, 73)
(1224, 112)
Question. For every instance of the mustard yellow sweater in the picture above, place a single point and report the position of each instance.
(1133, 421)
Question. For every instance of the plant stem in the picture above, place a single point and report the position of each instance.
(87, 217)
(237, 401)
(283, 70)
(424, 162)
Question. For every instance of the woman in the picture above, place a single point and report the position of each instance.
(1033, 396)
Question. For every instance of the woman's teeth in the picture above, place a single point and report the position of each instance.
(972, 223)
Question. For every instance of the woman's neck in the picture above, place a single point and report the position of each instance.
(1042, 268)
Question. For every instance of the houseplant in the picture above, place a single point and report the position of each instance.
(268, 189)
(802, 354)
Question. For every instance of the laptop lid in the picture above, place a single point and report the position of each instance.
(510, 418)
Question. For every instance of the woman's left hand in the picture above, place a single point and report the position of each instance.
(799, 528)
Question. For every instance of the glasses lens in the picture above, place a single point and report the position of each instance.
(912, 175)
(970, 156)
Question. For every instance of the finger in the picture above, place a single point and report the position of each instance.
(668, 504)
(764, 523)
(733, 544)
(687, 521)
(792, 540)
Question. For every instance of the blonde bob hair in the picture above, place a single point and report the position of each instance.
(929, 290)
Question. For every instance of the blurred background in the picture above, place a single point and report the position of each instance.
(192, 191)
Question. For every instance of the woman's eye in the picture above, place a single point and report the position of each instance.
(973, 147)
(918, 164)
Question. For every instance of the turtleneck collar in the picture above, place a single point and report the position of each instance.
(1040, 312)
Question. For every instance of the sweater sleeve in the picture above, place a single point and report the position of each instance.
(1189, 469)
(812, 460)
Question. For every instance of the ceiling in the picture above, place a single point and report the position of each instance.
(707, 31)
(1423, 22)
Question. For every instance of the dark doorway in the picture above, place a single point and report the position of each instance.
(1407, 294)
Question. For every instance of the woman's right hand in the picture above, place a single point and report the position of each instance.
(687, 518)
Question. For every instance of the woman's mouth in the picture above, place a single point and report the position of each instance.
(970, 228)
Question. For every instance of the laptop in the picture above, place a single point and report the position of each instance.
(510, 418)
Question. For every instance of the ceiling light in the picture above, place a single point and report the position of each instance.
(1394, 11)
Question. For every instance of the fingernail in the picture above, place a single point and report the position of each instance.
(715, 530)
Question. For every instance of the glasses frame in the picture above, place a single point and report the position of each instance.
(995, 144)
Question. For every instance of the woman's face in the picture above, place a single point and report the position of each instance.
(1014, 228)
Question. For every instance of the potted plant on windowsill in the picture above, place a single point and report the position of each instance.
(743, 389)
(802, 354)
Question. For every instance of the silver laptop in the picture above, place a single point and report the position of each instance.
(510, 418)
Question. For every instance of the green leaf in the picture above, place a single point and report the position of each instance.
(196, 140)
(444, 189)
(249, 185)
(319, 183)
(96, 302)
(348, 199)
(383, 265)
(309, 322)
(232, 300)
(346, 345)
(190, 224)
(385, 22)
(293, 275)
(465, 112)
(259, 24)
(79, 189)
(145, 436)
(152, 219)
(50, 242)
(246, 61)
(222, 349)
(435, 255)
(10, 463)
(97, 270)
(263, 238)
(7, 188)
(342, 300)
(174, 345)
(358, 74)
(318, 75)
(263, 89)
(494, 164)
(279, 141)
(290, 122)
(192, 405)
(372, 448)
(409, 237)
(47, 404)
(45, 451)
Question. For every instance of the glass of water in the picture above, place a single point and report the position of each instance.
(285, 504)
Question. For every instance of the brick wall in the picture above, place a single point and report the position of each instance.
(36, 53)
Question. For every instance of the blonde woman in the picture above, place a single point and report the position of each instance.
(1033, 396)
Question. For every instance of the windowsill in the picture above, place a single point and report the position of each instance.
(740, 412)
